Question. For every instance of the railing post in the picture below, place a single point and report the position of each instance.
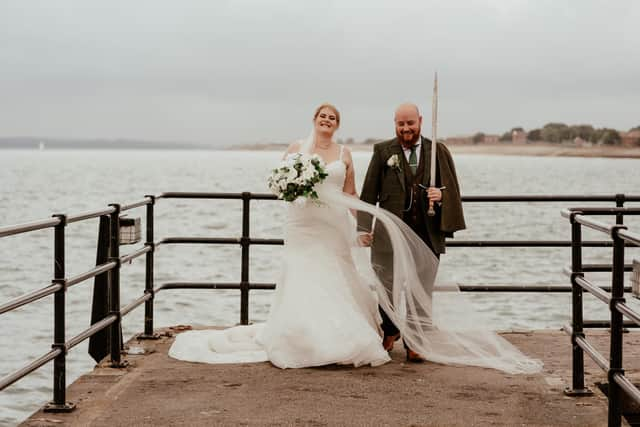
(148, 278)
(615, 351)
(114, 288)
(620, 199)
(577, 386)
(59, 403)
(244, 243)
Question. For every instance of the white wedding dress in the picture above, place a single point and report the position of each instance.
(323, 311)
(325, 306)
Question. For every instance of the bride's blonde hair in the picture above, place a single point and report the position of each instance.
(329, 106)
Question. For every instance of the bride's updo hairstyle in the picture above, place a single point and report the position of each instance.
(331, 107)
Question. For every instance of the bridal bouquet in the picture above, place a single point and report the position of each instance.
(296, 177)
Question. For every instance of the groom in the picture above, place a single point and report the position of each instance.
(397, 179)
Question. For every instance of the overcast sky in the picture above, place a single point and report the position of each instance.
(229, 72)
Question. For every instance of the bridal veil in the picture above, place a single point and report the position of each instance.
(416, 304)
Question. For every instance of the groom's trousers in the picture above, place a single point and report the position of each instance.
(385, 272)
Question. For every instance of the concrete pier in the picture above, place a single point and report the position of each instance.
(156, 390)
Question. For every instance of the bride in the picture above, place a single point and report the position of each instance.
(325, 306)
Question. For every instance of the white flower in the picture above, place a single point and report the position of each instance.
(308, 174)
(296, 176)
(393, 162)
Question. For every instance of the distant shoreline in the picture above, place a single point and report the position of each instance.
(536, 149)
(546, 150)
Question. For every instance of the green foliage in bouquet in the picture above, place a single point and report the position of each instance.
(297, 177)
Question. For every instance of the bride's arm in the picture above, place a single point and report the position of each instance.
(350, 178)
(293, 148)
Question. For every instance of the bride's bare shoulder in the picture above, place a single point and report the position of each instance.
(346, 154)
(294, 147)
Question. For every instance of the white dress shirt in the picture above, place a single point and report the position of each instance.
(407, 151)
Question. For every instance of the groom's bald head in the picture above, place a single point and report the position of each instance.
(408, 123)
(405, 108)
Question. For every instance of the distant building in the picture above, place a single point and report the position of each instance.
(519, 137)
(478, 138)
(491, 139)
(460, 140)
(579, 142)
(630, 139)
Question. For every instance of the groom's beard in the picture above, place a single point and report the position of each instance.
(408, 138)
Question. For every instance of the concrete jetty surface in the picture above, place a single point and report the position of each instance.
(156, 390)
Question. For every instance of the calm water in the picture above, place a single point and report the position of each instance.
(33, 185)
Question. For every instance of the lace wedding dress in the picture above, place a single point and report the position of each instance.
(325, 307)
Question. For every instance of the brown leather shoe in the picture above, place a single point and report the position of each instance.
(414, 357)
(388, 340)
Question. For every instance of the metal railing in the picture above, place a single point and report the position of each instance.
(60, 284)
(245, 241)
(620, 237)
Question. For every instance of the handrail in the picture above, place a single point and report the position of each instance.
(620, 237)
(593, 289)
(210, 285)
(600, 360)
(147, 200)
(524, 244)
(594, 225)
(469, 198)
(30, 297)
(217, 240)
(96, 327)
(439, 288)
(29, 226)
(132, 305)
(27, 369)
(135, 254)
(553, 198)
(570, 212)
(451, 244)
(98, 270)
(627, 386)
(629, 312)
(629, 237)
(88, 215)
(594, 268)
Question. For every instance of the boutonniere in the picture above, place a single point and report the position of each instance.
(394, 162)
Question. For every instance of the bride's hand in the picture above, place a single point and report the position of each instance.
(365, 239)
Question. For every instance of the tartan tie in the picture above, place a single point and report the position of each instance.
(413, 160)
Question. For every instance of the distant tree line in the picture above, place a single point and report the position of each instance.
(551, 132)
(560, 132)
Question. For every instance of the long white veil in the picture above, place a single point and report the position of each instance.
(414, 303)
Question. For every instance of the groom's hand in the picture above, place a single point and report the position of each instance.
(365, 239)
(434, 194)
